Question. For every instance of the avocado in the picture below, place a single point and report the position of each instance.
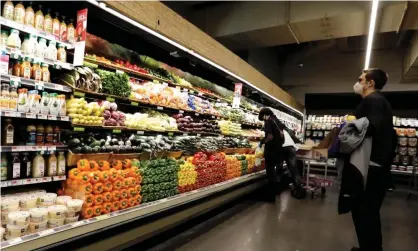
(76, 150)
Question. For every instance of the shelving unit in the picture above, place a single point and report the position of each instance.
(39, 85)
(30, 181)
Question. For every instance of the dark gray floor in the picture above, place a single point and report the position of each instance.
(303, 225)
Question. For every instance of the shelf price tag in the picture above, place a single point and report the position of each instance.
(52, 148)
(110, 99)
(170, 134)
(10, 114)
(185, 134)
(42, 116)
(165, 84)
(52, 117)
(116, 131)
(198, 135)
(213, 117)
(15, 183)
(181, 111)
(64, 118)
(140, 132)
(134, 103)
(159, 108)
(79, 94)
(57, 66)
(18, 148)
(79, 129)
(39, 85)
(15, 81)
(178, 87)
(197, 114)
(3, 184)
(30, 115)
(15, 241)
(200, 94)
(59, 87)
(46, 232)
(119, 72)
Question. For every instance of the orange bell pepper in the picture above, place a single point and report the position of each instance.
(124, 203)
(98, 188)
(139, 179)
(138, 199)
(87, 212)
(124, 174)
(114, 174)
(89, 200)
(134, 181)
(133, 171)
(103, 165)
(107, 196)
(138, 188)
(73, 173)
(87, 188)
(83, 165)
(98, 200)
(94, 166)
(115, 195)
(117, 184)
(94, 177)
(84, 176)
(126, 164)
(115, 206)
(131, 202)
(108, 186)
(97, 210)
(117, 164)
(124, 193)
(104, 176)
(126, 183)
(106, 208)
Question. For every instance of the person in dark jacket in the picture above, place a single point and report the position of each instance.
(365, 202)
(273, 141)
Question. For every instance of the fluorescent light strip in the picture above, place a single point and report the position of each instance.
(127, 19)
(372, 26)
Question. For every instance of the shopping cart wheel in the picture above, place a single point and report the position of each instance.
(323, 191)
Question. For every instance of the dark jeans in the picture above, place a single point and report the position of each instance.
(272, 164)
(289, 156)
(366, 210)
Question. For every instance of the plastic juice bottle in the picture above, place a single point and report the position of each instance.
(30, 15)
(45, 72)
(48, 21)
(36, 71)
(61, 164)
(56, 25)
(62, 106)
(13, 98)
(8, 10)
(39, 19)
(45, 103)
(19, 13)
(38, 166)
(52, 165)
(26, 69)
(63, 29)
(71, 31)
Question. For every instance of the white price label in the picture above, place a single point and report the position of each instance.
(10, 114)
(213, 117)
(18, 148)
(15, 183)
(42, 116)
(59, 87)
(28, 181)
(185, 134)
(78, 223)
(52, 117)
(65, 118)
(46, 232)
(30, 115)
(38, 180)
(18, 114)
(198, 135)
(200, 94)
(3, 184)
(44, 148)
(159, 108)
(15, 241)
(52, 148)
(197, 114)
(15, 81)
(39, 85)
(140, 132)
(181, 111)
(119, 72)
(165, 84)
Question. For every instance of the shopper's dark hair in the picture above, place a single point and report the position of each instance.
(264, 111)
(378, 76)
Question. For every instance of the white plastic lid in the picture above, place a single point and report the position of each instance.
(75, 204)
(9, 202)
(62, 200)
(38, 212)
(19, 216)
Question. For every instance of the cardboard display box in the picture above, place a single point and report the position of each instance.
(321, 150)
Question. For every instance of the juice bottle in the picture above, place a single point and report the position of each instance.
(51, 165)
(30, 15)
(13, 98)
(63, 29)
(19, 13)
(8, 133)
(22, 102)
(26, 69)
(31, 135)
(39, 19)
(38, 166)
(61, 164)
(5, 94)
(45, 72)
(49, 135)
(61, 53)
(25, 170)
(8, 10)
(48, 21)
(36, 71)
(71, 31)
(40, 134)
(56, 25)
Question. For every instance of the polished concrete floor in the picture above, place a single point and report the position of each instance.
(302, 225)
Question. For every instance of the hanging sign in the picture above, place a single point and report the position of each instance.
(80, 37)
(237, 95)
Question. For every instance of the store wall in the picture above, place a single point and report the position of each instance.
(330, 71)
(266, 61)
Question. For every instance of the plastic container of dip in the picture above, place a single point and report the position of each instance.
(71, 219)
(62, 200)
(10, 204)
(15, 231)
(28, 201)
(55, 222)
(38, 215)
(57, 212)
(19, 218)
(70, 213)
(37, 226)
(75, 205)
(5, 215)
(2, 230)
(47, 199)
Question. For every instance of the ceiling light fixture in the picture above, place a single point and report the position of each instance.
(373, 17)
(133, 22)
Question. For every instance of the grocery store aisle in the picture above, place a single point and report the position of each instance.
(290, 225)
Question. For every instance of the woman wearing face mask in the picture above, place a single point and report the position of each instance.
(273, 140)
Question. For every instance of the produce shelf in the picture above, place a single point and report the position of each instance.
(18, 54)
(29, 181)
(39, 85)
(29, 115)
(100, 223)
(31, 30)
(32, 148)
(403, 172)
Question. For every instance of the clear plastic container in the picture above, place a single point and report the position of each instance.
(75, 205)
(52, 50)
(13, 41)
(35, 227)
(38, 215)
(41, 48)
(70, 219)
(16, 231)
(62, 200)
(56, 212)
(10, 203)
(28, 201)
(19, 218)
(55, 222)
(2, 231)
(47, 199)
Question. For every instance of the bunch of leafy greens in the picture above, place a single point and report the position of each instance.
(115, 83)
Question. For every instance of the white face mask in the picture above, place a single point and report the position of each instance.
(358, 88)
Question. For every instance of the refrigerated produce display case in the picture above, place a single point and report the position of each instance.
(107, 132)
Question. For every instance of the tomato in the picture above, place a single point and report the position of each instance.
(126, 182)
(117, 164)
(131, 202)
(131, 192)
(104, 176)
(84, 176)
(123, 203)
(138, 188)
(87, 188)
(107, 196)
(126, 164)
(83, 165)
(117, 184)
(73, 173)
(114, 174)
(94, 166)
(103, 165)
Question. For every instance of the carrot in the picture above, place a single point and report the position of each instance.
(115, 195)
(83, 165)
(114, 174)
(124, 193)
(87, 212)
(108, 186)
(98, 188)
(73, 173)
(94, 166)
(106, 208)
(89, 200)
(104, 176)
(126, 164)
(94, 177)
(117, 164)
(97, 210)
(103, 165)
(117, 184)
(107, 196)
(115, 206)
(124, 203)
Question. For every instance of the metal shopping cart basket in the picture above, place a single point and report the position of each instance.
(312, 182)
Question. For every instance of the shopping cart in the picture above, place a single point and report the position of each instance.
(314, 183)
